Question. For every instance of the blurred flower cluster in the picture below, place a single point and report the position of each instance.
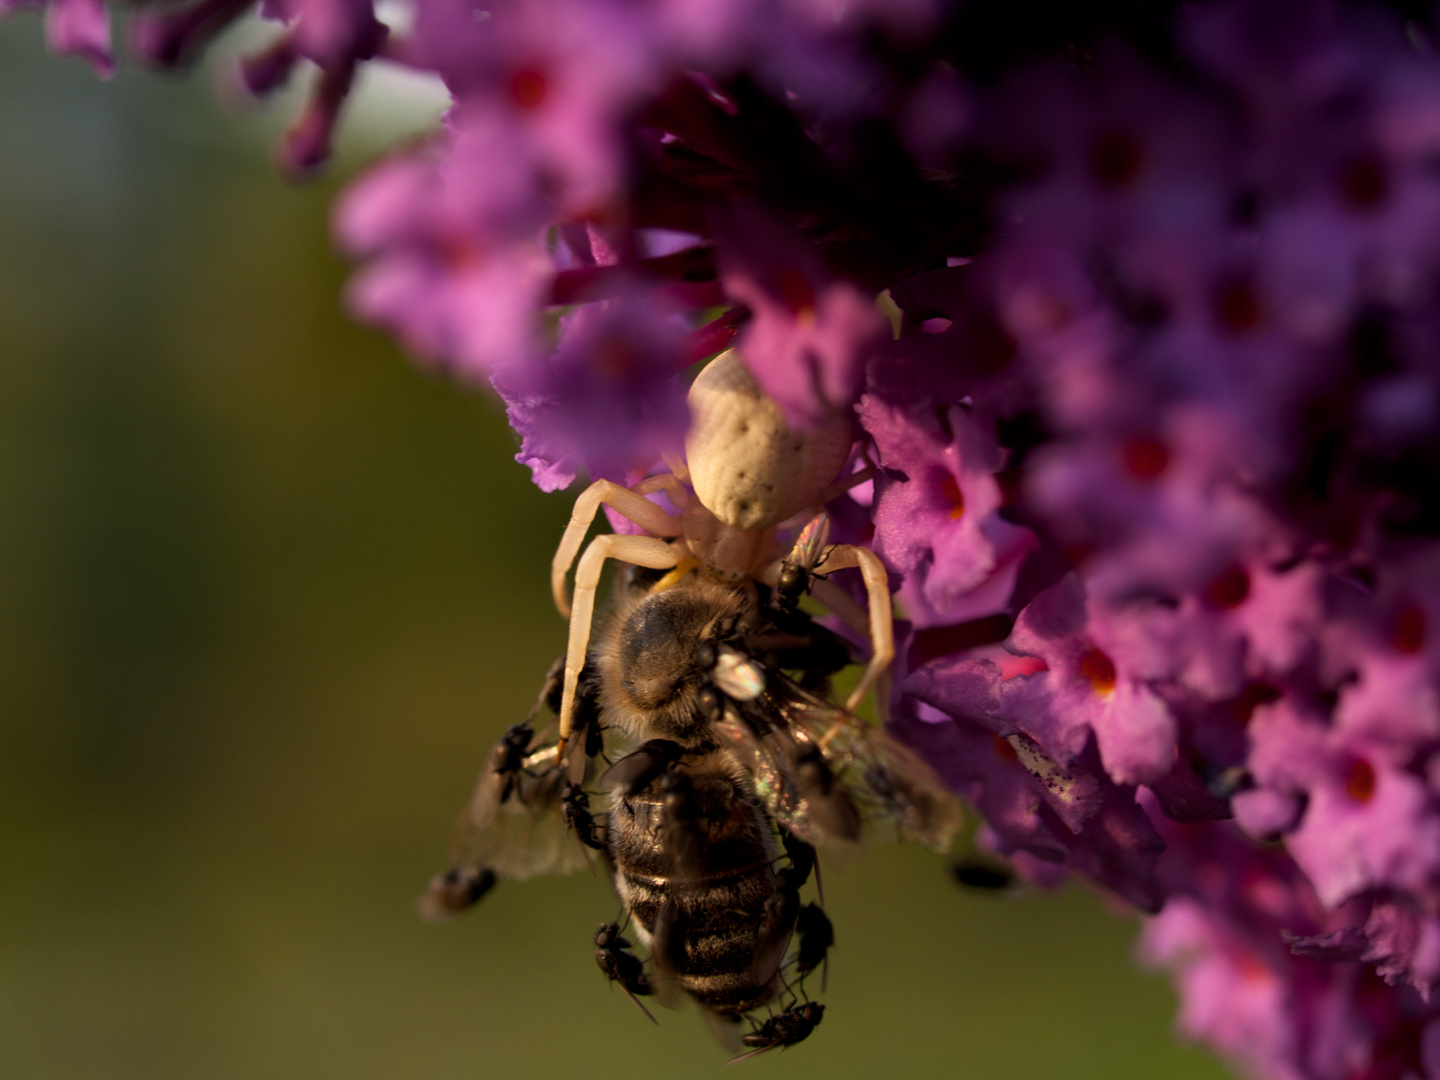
(1138, 309)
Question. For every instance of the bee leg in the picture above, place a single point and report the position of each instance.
(586, 736)
(725, 1028)
(629, 501)
(777, 923)
(667, 952)
(804, 861)
(594, 730)
(648, 551)
(680, 832)
(668, 938)
(640, 768)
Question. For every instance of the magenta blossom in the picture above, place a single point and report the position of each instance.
(810, 335)
(935, 510)
(610, 419)
(455, 293)
(1137, 310)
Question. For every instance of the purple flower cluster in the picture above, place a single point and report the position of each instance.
(1138, 310)
(333, 35)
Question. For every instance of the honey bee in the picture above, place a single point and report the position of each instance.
(739, 769)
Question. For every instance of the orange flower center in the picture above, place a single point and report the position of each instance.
(1237, 306)
(1408, 635)
(950, 489)
(1251, 698)
(796, 292)
(1146, 457)
(1252, 968)
(616, 359)
(1360, 784)
(1116, 159)
(528, 88)
(1230, 589)
(1364, 183)
(1099, 670)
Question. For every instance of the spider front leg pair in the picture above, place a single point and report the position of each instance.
(877, 622)
(745, 472)
(656, 553)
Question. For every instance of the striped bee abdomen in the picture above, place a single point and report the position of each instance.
(697, 841)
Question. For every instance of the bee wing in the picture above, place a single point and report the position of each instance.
(726, 1029)
(819, 769)
(768, 765)
(887, 779)
(492, 787)
(513, 823)
(760, 740)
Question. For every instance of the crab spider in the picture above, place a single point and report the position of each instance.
(746, 472)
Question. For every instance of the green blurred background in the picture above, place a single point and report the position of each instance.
(267, 595)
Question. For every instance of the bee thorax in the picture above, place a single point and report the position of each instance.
(648, 662)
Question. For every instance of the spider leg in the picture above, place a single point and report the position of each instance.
(881, 621)
(878, 624)
(648, 551)
(629, 501)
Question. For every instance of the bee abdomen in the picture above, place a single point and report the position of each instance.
(719, 927)
(719, 889)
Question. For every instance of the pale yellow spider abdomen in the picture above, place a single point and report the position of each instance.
(747, 466)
